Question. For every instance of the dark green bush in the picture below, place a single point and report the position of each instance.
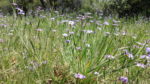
(62, 4)
(120, 7)
(131, 7)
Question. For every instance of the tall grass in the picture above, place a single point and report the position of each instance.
(52, 48)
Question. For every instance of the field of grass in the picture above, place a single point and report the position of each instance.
(64, 49)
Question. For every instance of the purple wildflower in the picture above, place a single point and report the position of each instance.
(130, 56)
(123, 79)
(1, 40)
(140, 65)
(142, 44)
(106, 23)
(21, 12)
(71, 33)
(3, 25)
(143, 56)
(79, 76)
(78, 48)
(68, 41)
(148, 50)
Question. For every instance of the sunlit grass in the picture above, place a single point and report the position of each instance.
(36, 51)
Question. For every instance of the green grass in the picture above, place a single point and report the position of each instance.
(28, 56)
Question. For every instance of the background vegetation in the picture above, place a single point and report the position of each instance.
(120, 7)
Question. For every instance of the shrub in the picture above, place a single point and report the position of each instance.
(65, 5)
(131, 7)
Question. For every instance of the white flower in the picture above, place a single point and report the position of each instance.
(71, 23)
(52, 18)
(39, 30)
(99, 28)
(91, 21)
(15, 4)
(109, 57)
(145, 57)
(134, 37)
(107, 33)
(53, 30)
(65, 35)
(88, 13)
(124, 33)
(142, 44)
(10, 34)
(89, 31)
(116, 34)
(96, 73)
(64, 21)
(87, 45)
(115, 21)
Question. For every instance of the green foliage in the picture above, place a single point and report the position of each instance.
(4, 6)
(3, 3)
(120, 7)
(131, 7)
(65, 5)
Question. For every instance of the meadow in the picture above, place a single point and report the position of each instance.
(53, 48)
